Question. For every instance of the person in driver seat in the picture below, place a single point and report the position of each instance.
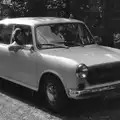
(18, 38)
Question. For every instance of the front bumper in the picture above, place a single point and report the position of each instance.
(94, 91)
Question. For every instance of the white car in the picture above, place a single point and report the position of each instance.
(59, 59)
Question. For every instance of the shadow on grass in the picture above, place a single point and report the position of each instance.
(76, 109)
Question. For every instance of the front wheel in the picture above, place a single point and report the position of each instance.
(54, 94)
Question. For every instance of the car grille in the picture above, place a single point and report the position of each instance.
(104, 73)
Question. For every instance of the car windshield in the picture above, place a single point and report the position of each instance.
(63, 35)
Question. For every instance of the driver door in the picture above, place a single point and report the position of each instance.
(23, 63)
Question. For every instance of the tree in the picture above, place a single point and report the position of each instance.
(20, 8)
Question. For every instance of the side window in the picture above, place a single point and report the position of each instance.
(5, 33)
(27, 33)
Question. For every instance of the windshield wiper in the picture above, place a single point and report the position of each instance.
(73, 44)
(55, 45)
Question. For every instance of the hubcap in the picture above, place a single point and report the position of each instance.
(51, 93)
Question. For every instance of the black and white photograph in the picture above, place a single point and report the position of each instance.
(59, 59)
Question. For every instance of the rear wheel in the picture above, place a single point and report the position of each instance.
(54, 93)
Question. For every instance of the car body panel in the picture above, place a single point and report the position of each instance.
(58, 66)
(4, 60)
(23, 64)
(95, 53)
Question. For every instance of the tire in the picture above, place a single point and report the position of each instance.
(54, 94)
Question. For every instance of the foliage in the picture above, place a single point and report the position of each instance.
(16, 8)
(55, 4)
(19, 7)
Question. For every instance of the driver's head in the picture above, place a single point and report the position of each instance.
(19, 36)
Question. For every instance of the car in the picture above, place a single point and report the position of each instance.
(59, 59)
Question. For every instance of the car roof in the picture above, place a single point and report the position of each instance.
(37, 20)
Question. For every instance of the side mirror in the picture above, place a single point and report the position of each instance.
(98, 40)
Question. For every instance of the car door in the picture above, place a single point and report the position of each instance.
(23, 62)
(5, 35)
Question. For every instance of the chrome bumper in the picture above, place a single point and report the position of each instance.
(94, 91)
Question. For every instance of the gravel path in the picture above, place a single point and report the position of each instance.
(12, 109)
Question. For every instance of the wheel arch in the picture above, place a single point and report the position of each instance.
(49, 73)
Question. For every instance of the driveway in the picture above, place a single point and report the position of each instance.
(17, 104)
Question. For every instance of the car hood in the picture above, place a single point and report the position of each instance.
(89, 55)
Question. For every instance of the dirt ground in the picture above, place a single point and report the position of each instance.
(17, 104)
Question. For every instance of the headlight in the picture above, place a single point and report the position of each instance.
(82, 71)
